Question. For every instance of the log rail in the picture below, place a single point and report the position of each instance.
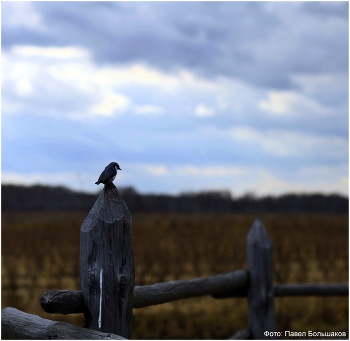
(71, 301)
(16, 324)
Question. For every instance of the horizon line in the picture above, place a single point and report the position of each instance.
(230, 195)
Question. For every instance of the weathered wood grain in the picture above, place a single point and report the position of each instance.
(174, 290)
(70, 302)
(17, 325)
(107, 271)
(260, 287)
(63, 302)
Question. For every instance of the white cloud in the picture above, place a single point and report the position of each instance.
(140, 74)
(189, 170)
(137, 74)
(330, 88)
(310, 83)
(110, 103)
(289, 102)
(153, 169)
(18, 75)
(189, 79)
(24, 87)
(201, 110)
(205, 171)
(276, 103)
(21, 13)
(51, 52)
(149, 109)
(287, 143)
(61, 77)
(263, 182)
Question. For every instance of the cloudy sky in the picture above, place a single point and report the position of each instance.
(185, 96)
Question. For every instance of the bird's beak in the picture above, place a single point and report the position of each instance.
(119, 168)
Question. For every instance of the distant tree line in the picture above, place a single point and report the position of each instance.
(38, 197)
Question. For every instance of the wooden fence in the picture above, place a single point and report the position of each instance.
(108, 294)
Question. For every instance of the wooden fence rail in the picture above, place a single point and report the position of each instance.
(284, 290)
(72, 302)
(108, 293)
(17, 325)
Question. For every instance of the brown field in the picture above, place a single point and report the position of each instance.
(40, 251)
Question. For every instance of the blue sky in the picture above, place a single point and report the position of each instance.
(185, 96)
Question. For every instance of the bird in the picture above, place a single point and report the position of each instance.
(109, 174)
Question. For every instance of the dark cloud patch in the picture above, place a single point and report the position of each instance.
(209, 38)
(198, 36)
(317, 58)
(25, 36)
(327, 8)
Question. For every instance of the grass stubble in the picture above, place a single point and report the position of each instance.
(40, 252)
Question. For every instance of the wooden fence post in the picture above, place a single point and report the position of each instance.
(260, 284)
(107, 272)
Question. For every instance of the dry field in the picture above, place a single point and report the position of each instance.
(40, 251)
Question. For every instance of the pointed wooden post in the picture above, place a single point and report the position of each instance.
(260, 287)
(107, 273)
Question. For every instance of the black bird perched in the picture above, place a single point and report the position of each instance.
(109, 174)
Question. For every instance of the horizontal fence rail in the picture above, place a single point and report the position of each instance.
(16, 324)
(311, 290)
(284, 290)
(174, 290)
(71, 302)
